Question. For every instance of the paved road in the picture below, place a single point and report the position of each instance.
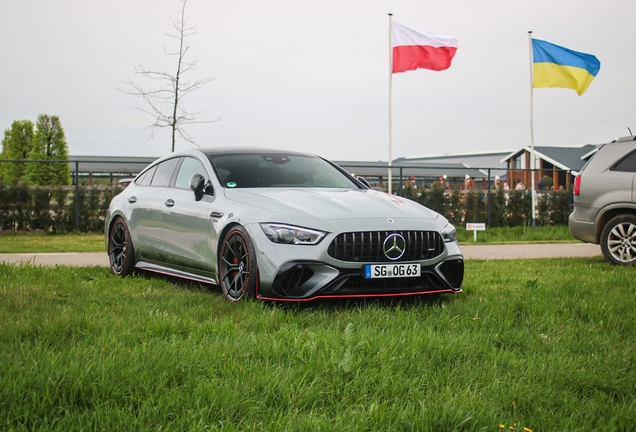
(470, 252)
(80, 259)
(561, 250)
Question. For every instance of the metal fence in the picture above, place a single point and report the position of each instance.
(451, 177)
(102, 171)
(96, 172)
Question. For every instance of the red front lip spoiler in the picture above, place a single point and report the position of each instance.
(447, 290)
(317, 297)
(351, 296)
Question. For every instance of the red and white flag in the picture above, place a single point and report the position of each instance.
(415, 49)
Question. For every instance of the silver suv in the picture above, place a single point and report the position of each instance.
(605, 202)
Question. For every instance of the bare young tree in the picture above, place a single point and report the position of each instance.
(165, 103)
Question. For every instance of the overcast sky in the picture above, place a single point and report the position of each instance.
(313, 75)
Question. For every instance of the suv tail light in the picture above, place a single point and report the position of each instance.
(577, 185)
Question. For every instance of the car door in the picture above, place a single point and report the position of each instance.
(188, 235)
(145, 205)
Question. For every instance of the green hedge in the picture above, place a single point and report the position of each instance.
(507, 208)
(52, 208)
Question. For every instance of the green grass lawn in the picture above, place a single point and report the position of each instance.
(549, 345)
(521, 234)
(31, 242)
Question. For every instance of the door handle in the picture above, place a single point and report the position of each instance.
(132, 200)
(169, 203)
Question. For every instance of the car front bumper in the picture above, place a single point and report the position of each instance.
(310, 280)
(298, 273)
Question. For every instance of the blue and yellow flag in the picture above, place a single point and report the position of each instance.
(555, 66)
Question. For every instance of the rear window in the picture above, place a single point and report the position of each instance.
(164, 173)
(627, 164)
(145, 178)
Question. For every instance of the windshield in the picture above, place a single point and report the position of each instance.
(257, 170)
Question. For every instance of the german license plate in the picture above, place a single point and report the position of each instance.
(376, 271)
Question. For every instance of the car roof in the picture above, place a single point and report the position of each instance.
(215, 151)
(624, 139)
(212, 151)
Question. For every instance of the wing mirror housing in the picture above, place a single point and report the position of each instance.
(364, 181)
(199, 186)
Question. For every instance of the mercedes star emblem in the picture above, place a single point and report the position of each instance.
(394, 246)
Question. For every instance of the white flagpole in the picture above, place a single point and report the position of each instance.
(532, 158)
(390, 103)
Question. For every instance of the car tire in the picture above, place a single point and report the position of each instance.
(618, 240)
(237, 265)
(121, 253)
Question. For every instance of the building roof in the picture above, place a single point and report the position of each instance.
(474, 160)
(436, 170)
(566, 158)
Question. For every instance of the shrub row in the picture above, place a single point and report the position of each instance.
(52, 208)
(507, 208)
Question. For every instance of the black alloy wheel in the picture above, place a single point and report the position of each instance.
(120, 249)
(618, 240)
(237, 265)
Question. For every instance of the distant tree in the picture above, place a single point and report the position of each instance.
(49, 143)
(497, 208)
(519, 208)
(475, 207)
(409, 191)
(16, 144)
(559, 207)
(436, 199)
(455, 211)
(5, 144)
(543, 209)
(3, 166)
(165, 103)
(2, 157)
(422, 197)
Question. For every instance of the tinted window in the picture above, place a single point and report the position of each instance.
(627, 164)
(189, 167)
(277, 170)
(145, 178)
(164, 173)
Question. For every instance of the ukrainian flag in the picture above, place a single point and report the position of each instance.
(555, 66)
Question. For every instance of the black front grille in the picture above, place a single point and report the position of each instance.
(368, 246)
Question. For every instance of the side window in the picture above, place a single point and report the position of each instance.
(146, 178)
(164, 173)
(189, 167)
(627, 164)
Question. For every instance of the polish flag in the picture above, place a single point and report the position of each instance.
(415, 49)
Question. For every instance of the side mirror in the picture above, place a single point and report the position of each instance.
(197, 184)
(364, 182)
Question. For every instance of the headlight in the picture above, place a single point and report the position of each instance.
(449, 233)
(288, 234)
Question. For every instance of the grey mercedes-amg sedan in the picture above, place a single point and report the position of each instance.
(278, 225)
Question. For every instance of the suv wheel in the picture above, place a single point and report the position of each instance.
(618, 240)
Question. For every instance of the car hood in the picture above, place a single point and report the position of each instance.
(330, 204)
